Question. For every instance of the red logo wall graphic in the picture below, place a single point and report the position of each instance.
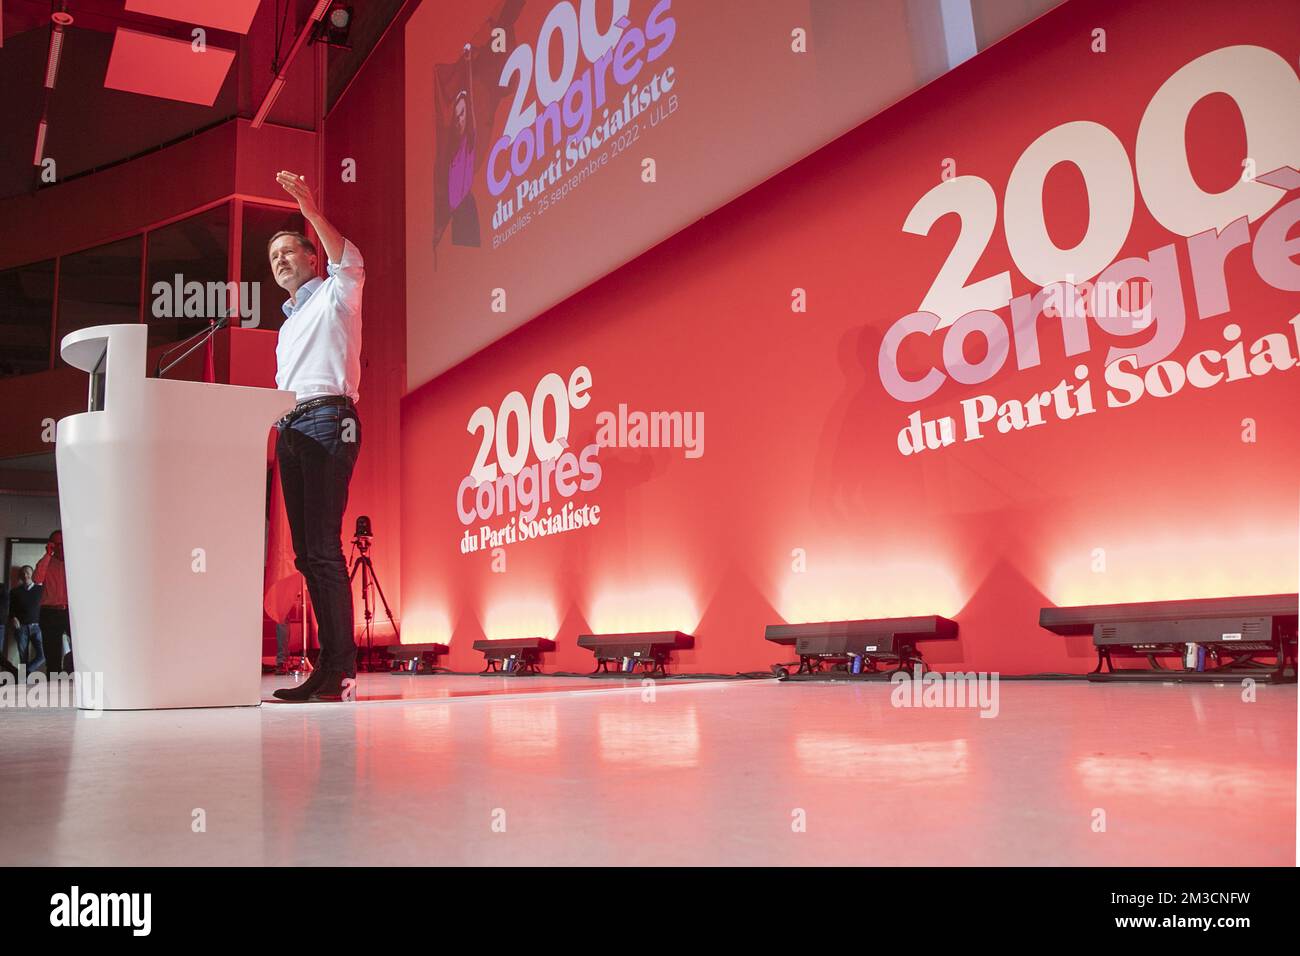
(1049, 356)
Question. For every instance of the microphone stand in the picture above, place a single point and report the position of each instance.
(198, 338)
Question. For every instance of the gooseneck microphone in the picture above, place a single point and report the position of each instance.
(198, 338)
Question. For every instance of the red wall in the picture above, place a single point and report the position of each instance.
(365, 126)
(1163, 499)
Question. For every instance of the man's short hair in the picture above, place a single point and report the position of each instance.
(27, 567)
(303, 241)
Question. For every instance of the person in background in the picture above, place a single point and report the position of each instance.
(24, 618)
(281, 648)
(54, 620)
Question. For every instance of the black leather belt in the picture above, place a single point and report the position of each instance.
(303, 408)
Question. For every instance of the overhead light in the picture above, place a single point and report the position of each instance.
(846, 650)
(651, 651)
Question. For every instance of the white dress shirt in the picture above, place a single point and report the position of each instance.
(319, 349)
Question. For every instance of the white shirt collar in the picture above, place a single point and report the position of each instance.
(298, 300)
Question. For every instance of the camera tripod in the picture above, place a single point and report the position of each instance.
(360, 559)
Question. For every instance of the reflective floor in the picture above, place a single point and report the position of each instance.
(553, 771)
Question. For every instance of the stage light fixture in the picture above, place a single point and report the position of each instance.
(336, 26)
(851, 650)
(650, 650)
(415, 658)
(515, 656)
(1201, 631)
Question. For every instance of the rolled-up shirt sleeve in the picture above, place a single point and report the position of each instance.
(349, 276)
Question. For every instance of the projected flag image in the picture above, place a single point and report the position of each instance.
(466, 96)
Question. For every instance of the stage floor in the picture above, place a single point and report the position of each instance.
(554, 771)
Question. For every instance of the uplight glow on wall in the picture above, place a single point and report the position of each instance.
(637, 609)
(1177, 564)
(425, 624)
(850, 589)
(508, 618)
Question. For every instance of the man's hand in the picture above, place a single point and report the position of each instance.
(296, 186)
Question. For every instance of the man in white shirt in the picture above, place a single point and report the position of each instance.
(318, 357)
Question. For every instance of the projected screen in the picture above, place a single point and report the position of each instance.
(549, 142)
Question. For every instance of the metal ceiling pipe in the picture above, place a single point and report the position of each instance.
(282, 74)
(60, 20)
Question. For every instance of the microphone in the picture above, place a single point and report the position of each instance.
(198, 338)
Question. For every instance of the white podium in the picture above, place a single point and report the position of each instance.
(162, 489)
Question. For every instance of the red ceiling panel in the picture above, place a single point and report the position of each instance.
(232, 15)
(172, 69)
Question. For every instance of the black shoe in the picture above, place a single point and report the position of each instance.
(321, 685)
(337, 685)
(303, 691)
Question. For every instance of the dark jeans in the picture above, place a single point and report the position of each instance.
(29, 635)
(317, 454)
(54, 624)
